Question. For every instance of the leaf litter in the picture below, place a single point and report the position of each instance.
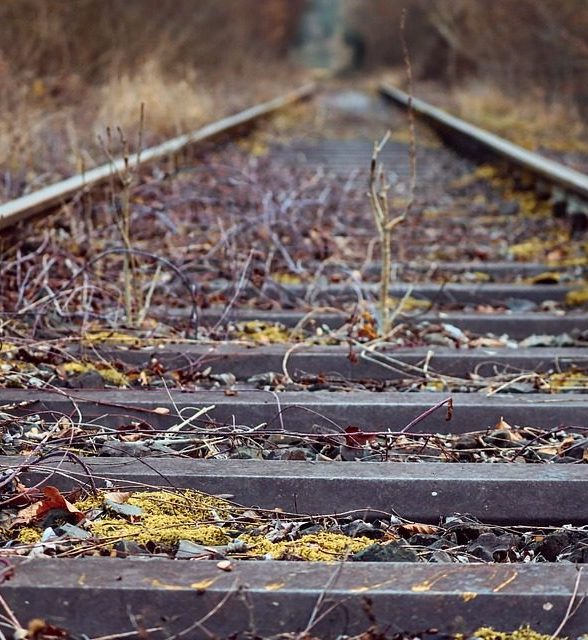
(102, 360)
(234, 229)
(287, 249)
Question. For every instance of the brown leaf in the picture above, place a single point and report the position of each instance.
(52, 500)
(356, 437)
(40, 630)
(417, 527)
(502, 424)
(120, 497)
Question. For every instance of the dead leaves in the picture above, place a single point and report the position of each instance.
(53, 501)
(39, 629)
(407, 530)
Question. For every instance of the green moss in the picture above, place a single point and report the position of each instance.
(166, 518)
(524, 633)
(29, 535)
(317, 547)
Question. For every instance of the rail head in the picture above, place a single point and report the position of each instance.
(56, 194)
(570, 180)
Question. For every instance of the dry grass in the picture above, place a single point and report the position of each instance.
(171, 105)
(43, 139)
(528, 120)
(69, 70)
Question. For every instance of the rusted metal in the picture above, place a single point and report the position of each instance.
(53, 195)
(458, 131)
(300, 411)
(506, 494)
(105, 596)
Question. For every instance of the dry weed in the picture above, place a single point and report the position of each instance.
(172, 105)
(528, 120)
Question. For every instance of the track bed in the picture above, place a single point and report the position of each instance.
(204, 433)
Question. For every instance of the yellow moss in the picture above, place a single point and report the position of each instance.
(524, 633)
(577, 297)
(162, 530)
(435, 385)
(166, 518)
(409, 303)
(481, 276)
(530, 249)
(287, 278)
(527, 200)
(7, 347)
(568, 381)
(262, 332)
(109, 374)
(254, 146)
(425, 139)
(316, 547)
(29, 535)
(93, 337)
(486, 172)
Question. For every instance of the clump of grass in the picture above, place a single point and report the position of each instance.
(172, 104)
(529, 121)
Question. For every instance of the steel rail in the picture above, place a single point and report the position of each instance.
(55, 194)
(454, 129)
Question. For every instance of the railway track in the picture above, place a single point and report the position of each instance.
(439, 467)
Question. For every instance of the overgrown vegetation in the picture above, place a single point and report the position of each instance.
(517, 67)
(536, 46)
(70, 69)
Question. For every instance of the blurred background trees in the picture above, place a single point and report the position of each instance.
(91, 37)
(69, 68)
(519, 45)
